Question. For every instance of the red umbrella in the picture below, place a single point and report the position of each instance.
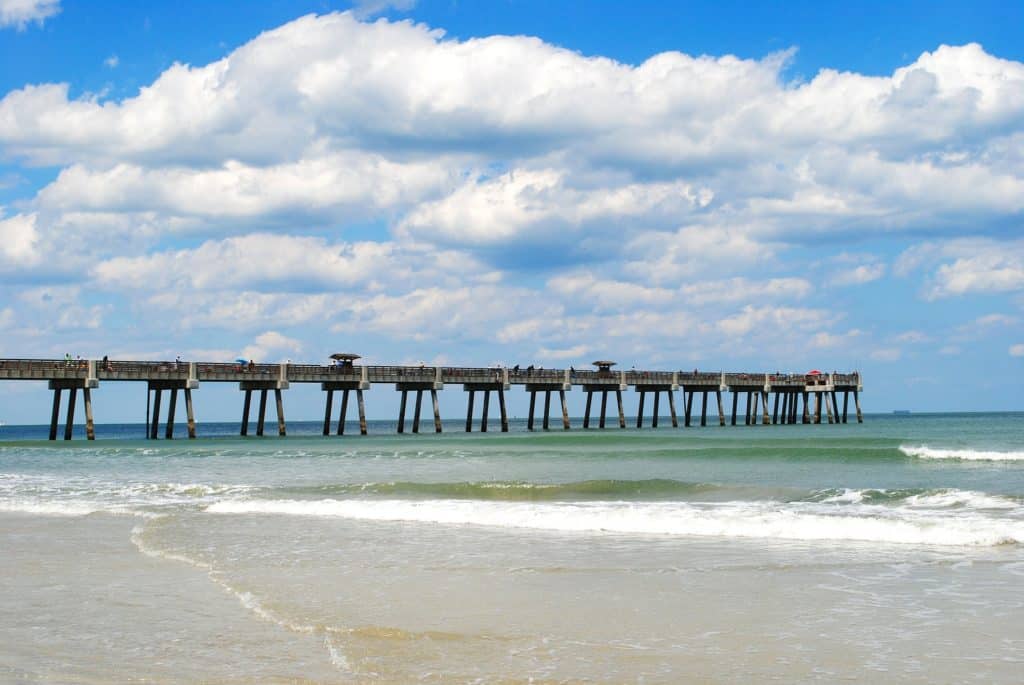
(814, 373)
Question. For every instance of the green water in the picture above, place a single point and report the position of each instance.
(890, 550)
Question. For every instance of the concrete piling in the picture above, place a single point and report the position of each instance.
(401, 411)
(416, 412)
(55, 416)
(344, 411)
(437, 410)
(90, 428)
(328, 407)
(487, 404)
(246, 404)
(261, 416)
(171, 407)
(69, 423)
(279, 401)
(155, 424)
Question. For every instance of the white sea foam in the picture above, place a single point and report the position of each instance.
(925, 452)
(762, 519)
(960, 498)
(847, 496)
(57, 507)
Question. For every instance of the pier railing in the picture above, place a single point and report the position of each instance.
(126, 370)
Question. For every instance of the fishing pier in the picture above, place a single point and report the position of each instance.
(794, 398)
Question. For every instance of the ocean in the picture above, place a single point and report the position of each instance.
(891, 551)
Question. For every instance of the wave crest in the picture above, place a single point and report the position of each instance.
(925, 452)
(760, 519)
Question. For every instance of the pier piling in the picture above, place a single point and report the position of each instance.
(69, 423)
(246, 405)
(344, 412)
(279, 401)
(416, 412)
(487, 406)
(90, 428)
(362, 411)
(437, 410)
(171, 407)
(55, 416)
(401, 412)
(154, 429)
(328, 407)
(261, 417)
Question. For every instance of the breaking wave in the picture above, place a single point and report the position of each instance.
(911, 523)
(925, 452)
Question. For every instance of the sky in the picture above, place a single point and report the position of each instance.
(713, 185)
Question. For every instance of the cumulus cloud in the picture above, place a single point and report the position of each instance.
(865, 273)
(265, 345)
(386, 178)
(369, 8)
(542, 205)
(886, 354)
(967, 266)
(20, 13)
(345, 185)
(18, 239)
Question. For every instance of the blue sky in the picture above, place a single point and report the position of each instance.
(715, 185)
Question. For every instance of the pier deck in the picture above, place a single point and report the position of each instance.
(790, 388)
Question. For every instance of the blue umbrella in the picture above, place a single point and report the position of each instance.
(242, 361)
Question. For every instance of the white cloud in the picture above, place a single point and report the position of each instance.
(886, 354)
(865, 273)
(369, 8)
(19, 13)
(341, 185)
(600, 294)
(774, 319)
(262, 260)
(111, 62)
(270, 343)
(61, 308)
(1017, 350)
(336, 174)
(576, 352)
(826, 340)
(967, 266)
(542, 205)
(990, 320)
(18, 237)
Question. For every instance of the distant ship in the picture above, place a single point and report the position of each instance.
(901, 412)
